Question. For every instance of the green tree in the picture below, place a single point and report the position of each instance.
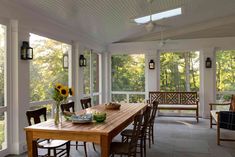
(2, 81)
(46, 68)
(179, 71)
(128, 74)
(2, 62)
(225, 76)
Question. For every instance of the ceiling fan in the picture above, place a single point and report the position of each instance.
(149, 24)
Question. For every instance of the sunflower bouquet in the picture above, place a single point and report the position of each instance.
(60, 94)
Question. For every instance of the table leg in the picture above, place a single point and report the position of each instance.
(210, 120)
(31, 144)
(210, 116)
(218, 129)
(105, 146)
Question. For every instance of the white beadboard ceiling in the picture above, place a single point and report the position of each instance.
(108, 21)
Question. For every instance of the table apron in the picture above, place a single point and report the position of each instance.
(96, 138)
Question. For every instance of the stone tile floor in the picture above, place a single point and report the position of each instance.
(179, 137)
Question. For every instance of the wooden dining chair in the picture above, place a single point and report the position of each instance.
(55, 145)
(150, 128)
(85, 102)
(127, 133)
(70, 108)
(128, 148)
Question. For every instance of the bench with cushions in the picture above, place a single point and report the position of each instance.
(175, 101)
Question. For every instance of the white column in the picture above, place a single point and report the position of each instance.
(106, 77)
(19, 91)
(13, 58)
(207, 81)
(74, 66)
(151, 74)
(158, 66)
(77, 74)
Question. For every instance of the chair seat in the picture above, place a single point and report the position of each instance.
(119, 148)
(127, 132)
(51, 143)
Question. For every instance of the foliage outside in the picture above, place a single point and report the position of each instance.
(2, 82)
(86, 73)
(46, 67)
(128, 74)
(2, 62)
(2, 135)
(225, 73)
(179, 71)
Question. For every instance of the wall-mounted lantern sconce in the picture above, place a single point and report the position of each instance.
(82, 61)
(151, 64)
(65, 61)
(26, 51)
(208, 62)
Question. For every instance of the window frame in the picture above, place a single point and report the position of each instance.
(6, 109)
(181, 51)
(91, 76)
(127, 93)
(33, 104)
(215, 71)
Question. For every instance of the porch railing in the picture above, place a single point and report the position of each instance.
(127, 96)
(48, 103)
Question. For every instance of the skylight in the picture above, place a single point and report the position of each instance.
(159, 16)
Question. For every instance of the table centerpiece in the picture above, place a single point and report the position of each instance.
(60, 94)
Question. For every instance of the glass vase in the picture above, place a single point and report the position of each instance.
(57, 113)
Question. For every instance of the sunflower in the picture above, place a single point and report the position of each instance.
(58, 86)
(64, 91)
(71, 91)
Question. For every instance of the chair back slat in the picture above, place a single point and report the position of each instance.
(154, 112)
(146, 120)
(135, 134)
(68, 107)
(36, 115)
(86, 103)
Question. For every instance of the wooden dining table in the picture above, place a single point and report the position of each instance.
(100, 133)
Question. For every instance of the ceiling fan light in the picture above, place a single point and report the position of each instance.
(149, 26)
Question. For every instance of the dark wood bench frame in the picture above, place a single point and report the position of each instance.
(174, 99)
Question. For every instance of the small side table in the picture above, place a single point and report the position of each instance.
(216, 104)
